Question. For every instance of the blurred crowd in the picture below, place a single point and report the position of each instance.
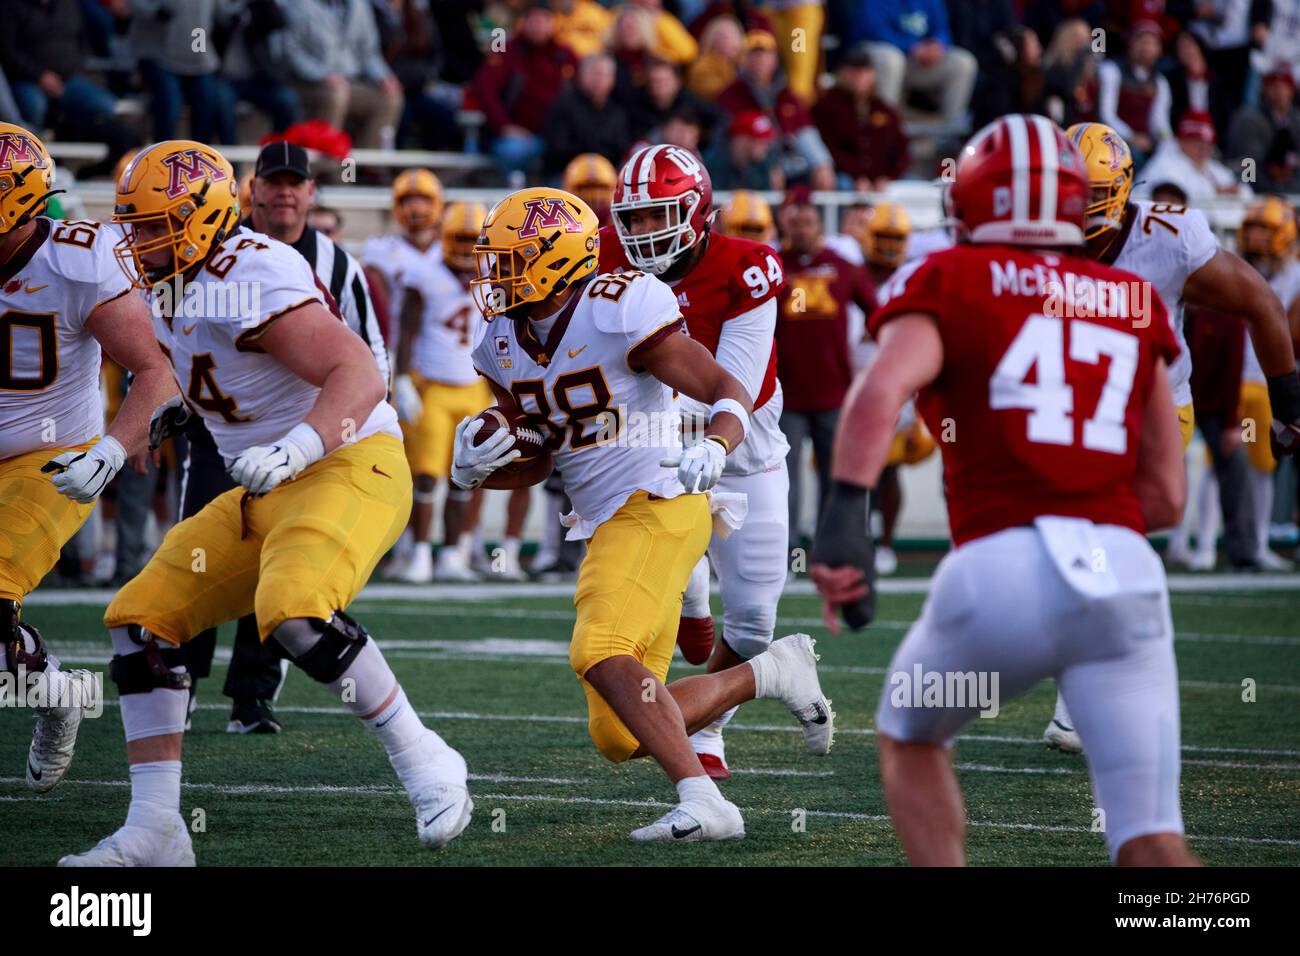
(768, 92)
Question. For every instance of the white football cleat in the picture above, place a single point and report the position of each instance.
(886, 561)
(418, 568)
(1061, 737)
(452, 567)
(55, 735)
(801, 691)
(166, 845)
(713, 819)
(505, 567)
(1271, 561)
(436, 780)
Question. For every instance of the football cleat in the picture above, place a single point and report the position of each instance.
(712, 819)
(418, 569)
(166, 845)
(801, 691)
(1271, 561)
(886, 560)
(55, 735)
(695, 637)
(436, 780)
(1062, 737)
(252, 716)
(452, 567)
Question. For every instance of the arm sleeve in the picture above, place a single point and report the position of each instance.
(1108, 99)
(745, 345)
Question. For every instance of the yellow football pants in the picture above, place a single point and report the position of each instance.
(1255, 407)
(1186, 423)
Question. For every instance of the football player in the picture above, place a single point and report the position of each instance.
(1173, 249)
(62, 300)
(748, 216)
(295, 402)
(726, 289)
(599, 359)
(590, 177)
(1266, 239)
(1067, 450)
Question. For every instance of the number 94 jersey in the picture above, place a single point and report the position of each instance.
(611, 421)
(1048, 362)
(49, 362)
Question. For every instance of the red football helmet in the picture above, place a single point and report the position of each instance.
(1021, 181)
(669, 178)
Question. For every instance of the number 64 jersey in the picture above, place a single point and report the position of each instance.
(611, 421)
(1048, 362)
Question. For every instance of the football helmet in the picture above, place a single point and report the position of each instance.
(885, 241)
(534, 243)
(1020, 181)
(591, 177)
(1267, 229)
(668, 178)
(1109, 167)
(461, 226)
(26, 177)
(188, 188)
(748, 216)
(417, 182)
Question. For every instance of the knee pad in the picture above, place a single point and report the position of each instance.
(454, 493)
(424, 487)
(146, 666)
(324, 649)
(748, 630)
(614, 741)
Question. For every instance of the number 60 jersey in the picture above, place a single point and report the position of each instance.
(1048, 362)
(611, 421)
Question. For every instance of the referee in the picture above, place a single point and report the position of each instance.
(283, 193)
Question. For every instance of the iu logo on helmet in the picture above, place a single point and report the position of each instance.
(188, 166)
(16, 148)
(550, 213)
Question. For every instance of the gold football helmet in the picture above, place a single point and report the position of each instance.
(747, 216)
(1108, 163)
(534, 243)
(187, 188)
(1267, 229)
(884, 242)
(591, 177)
(461, 227)
(26, 177)
(422, 183)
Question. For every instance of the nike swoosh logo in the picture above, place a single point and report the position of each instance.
(36, 774)
(574, 353)
(436, 815)
(187, 331)
(678, 834)
(375, 469)
(35, 288)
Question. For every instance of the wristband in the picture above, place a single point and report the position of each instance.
(308, 441)
(726, 445)
(733, 407)
(1284, 396)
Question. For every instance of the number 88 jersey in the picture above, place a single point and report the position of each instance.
(1048, 363)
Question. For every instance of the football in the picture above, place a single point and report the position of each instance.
(535, 461)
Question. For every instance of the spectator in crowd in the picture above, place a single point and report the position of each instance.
(683, 128)
(984, 28)
(812, 344)
(1229, 28)
(664, 95)
(582, 25)
(760, 86)
(672, 41)
(1278, 43)
(1188, 161)
(515, 89)
(744, 12)
(462, 55)
(253, 66)
(1046, 17)
(334, 53)
(1070, 74)
(721, 46)
(1269, 134)
(585, 118)
(913, 51)
(745, 159)
(863, 133)
(797, 25)
(9, 112)
(1133, 98)
(178, 71)
(412, 46)
(1190, 84)
(631, 40)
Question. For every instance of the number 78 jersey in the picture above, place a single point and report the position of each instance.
(1048, 362)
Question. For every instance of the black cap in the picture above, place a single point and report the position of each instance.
(859, 56)
(282, 157)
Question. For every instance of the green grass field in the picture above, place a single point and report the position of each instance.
(492, 677)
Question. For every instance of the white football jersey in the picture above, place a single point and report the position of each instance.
(1164, 246)
(245, 396)
(448, 327)
(612, 420)
(392, 254)
(1286, 284)
(49, 363)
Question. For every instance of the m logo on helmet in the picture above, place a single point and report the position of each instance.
(19, 150)
(550, 213)
(186, 167)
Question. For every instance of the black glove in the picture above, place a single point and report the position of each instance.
(167, 420)
(844, 540)
(1284, 399)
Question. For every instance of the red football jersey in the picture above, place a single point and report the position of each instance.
(733, 276)
(1037, 409)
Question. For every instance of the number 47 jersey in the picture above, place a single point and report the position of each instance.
(1048, 362)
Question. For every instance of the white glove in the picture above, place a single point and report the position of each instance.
(410, 406)
(262, 467)
(700, 466)
(168, 419)
(82, 475)
(471, 466)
